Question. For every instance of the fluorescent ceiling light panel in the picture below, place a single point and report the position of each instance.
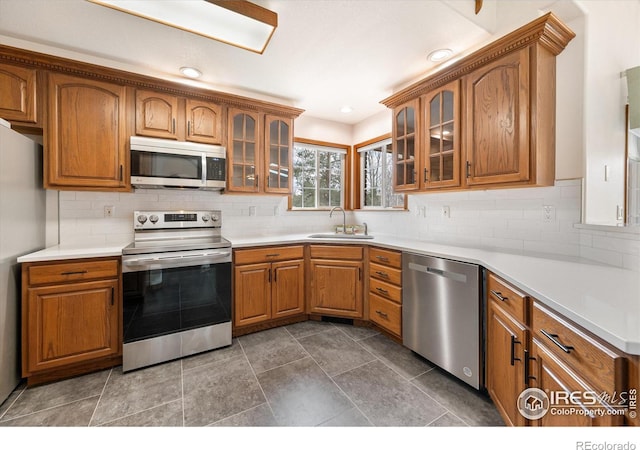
(235, 22)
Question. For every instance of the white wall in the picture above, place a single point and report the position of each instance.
(373, 127)
(322, 130)
(612, 37)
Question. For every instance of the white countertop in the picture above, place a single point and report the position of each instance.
(75, 251)
(604, 300)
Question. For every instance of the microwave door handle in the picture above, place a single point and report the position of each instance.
(204, 169)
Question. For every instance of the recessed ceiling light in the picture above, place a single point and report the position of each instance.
(346, 109)
(190, 72)
(440, 54)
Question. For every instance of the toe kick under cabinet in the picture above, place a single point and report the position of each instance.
(71, 317)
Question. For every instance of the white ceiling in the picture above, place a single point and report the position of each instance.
(323, 55)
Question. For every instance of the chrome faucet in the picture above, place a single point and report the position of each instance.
(366, 227)
(344, 218)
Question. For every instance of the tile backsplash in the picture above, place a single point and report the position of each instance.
(513, 220)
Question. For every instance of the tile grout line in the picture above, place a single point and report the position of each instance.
(184, 421)
(104, 388)
(257, 381)
(344, 393)
(341, 390)
(12, 403)
(241, 412)
(137, 412)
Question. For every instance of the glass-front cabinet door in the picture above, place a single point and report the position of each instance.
(405, 146)
(243, 155)
(278, 147)
(441, 158)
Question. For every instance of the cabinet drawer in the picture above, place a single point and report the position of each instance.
(601, 366)
(385, 313)
(385, 273)
(386, 290)
(386, 257)
(72, 271)
(268, 254)
(336, 252)
(509, 299)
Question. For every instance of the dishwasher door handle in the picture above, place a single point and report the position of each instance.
(438, 272)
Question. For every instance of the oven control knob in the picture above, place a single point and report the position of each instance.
(214, 218)
(153, 218)
(206, 217)
(142, 219)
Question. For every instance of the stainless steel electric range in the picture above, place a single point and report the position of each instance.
(177, 287)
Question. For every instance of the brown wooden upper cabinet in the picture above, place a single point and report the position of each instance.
(441, 158)
(500, 133)
(172, 117)
(86, 134)
(406, 143)
(497, 113)
(259, 152)
(18, 94)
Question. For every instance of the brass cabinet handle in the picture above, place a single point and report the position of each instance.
(382, 274)
(382, 291)
(381, 314)
(382, 258)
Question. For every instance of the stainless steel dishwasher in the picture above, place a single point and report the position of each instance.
(441, 320)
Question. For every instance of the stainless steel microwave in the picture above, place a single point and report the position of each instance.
(162, 163)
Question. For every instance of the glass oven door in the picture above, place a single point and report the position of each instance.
(161, 299)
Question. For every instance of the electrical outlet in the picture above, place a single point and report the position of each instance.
(548, 213)
(108, 211)
(446, 212)
(252, 210)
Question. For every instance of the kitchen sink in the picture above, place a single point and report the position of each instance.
(340, 236)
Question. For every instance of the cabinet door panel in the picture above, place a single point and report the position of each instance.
(498, 121)
(406, 152)
(553, 376)
(336, 288)
(156, 114)
(243, 157)
(287, 292)
(86, 138)
(506, 340)
(17, 93)
(72, 323)
(278, 154)
(442, 150)
(204, 122)
(252, 294)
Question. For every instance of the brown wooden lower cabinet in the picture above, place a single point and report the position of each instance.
(506, 341)
(572, 403)
(71, 316)
(267, 284)
(336, 274)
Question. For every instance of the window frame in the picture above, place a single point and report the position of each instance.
(359, 177)
(346, 172)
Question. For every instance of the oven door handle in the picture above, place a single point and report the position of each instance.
(161, 262)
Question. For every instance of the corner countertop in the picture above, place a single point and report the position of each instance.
(602, 299)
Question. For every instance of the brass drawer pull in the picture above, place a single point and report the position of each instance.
(382, 291)
(382, 258)
(554, 338)
(77, 272)
(382, 274)
(272, 255)
(381, 314)
(499, 296)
